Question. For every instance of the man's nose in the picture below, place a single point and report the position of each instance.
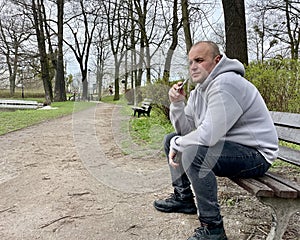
(193, 65)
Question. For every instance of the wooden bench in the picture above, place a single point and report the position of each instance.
(18, 104)
(144, 109)
(282, 193)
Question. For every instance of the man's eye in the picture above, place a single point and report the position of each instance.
(197, 60)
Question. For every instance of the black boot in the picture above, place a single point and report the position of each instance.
(176, 204)
(209, 233)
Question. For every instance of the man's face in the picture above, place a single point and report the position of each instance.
(201, 62)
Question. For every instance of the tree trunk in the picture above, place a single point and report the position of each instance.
(174, 43)
(117, 78)
(60, 88)
(186, 25)
(84, 84)
(39, 27)
(235, 28)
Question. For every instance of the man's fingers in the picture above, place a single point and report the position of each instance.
(172, 163)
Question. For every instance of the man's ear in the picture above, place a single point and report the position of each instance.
(218, 58)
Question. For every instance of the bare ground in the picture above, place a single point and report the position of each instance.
(70, 179)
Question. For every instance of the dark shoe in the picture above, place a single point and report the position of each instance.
(203, 233)
(175, 204)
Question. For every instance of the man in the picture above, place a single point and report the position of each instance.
(224, 129)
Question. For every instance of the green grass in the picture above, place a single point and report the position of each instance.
(145, 131)
(15, 120)
(149, 129)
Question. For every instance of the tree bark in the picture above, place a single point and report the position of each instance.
(235, 28)
(174, 43)
(186, 25)
(39, 28)
(60, 88)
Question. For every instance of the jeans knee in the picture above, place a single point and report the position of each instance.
(195, 156)
(168, 138)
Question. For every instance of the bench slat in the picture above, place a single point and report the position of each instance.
(255, 187)
(17, 102)
(287, 182)
(280, 189)
(288, 134)
(285, 118)
(18, 106)
(289, 155)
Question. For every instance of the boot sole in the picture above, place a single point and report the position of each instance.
(172, 210)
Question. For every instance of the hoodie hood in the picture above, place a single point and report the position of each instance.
(225, 65)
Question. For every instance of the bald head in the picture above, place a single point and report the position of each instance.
(211, 46)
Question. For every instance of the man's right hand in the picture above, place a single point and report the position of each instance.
(172, 156)
(176, 94)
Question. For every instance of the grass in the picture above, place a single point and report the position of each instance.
(145, 131)
(149, 129)
(15, 120)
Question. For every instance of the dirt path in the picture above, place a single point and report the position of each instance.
(70, 179)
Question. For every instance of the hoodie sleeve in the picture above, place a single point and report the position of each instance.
(222, 112)
(181, 117)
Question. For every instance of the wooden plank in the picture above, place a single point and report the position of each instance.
(280, 189)
(289, 155)
(255, 187)
(287, 119)
(288, 134)
(287, 182)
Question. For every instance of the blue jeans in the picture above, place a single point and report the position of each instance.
(199, 166)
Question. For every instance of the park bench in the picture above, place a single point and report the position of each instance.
(144, 109)
(281, 193)
(18, 104)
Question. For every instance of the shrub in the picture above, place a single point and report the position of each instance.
(278, 82)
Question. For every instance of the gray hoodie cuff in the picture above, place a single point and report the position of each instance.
(175, 144)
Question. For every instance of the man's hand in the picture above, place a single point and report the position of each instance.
(176, 94)
(171, 156)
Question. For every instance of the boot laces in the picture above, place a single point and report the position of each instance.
(201, 231)
(172, 197)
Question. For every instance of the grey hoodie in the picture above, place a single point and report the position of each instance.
(225, 107)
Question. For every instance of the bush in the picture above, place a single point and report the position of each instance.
(278, 82)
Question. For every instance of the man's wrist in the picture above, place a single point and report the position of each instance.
(175, 143)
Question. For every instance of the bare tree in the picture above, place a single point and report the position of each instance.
(101, 44)
(14, 31)
(82, 23)
(117, 26)
(285, 27)
(276, 31)
(176, 24)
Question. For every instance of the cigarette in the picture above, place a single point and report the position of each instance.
(181, 86)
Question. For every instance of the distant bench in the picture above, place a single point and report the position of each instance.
(144, 109)
(18, 104)
(279, 192)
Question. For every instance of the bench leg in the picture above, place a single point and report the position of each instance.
(283, 210)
